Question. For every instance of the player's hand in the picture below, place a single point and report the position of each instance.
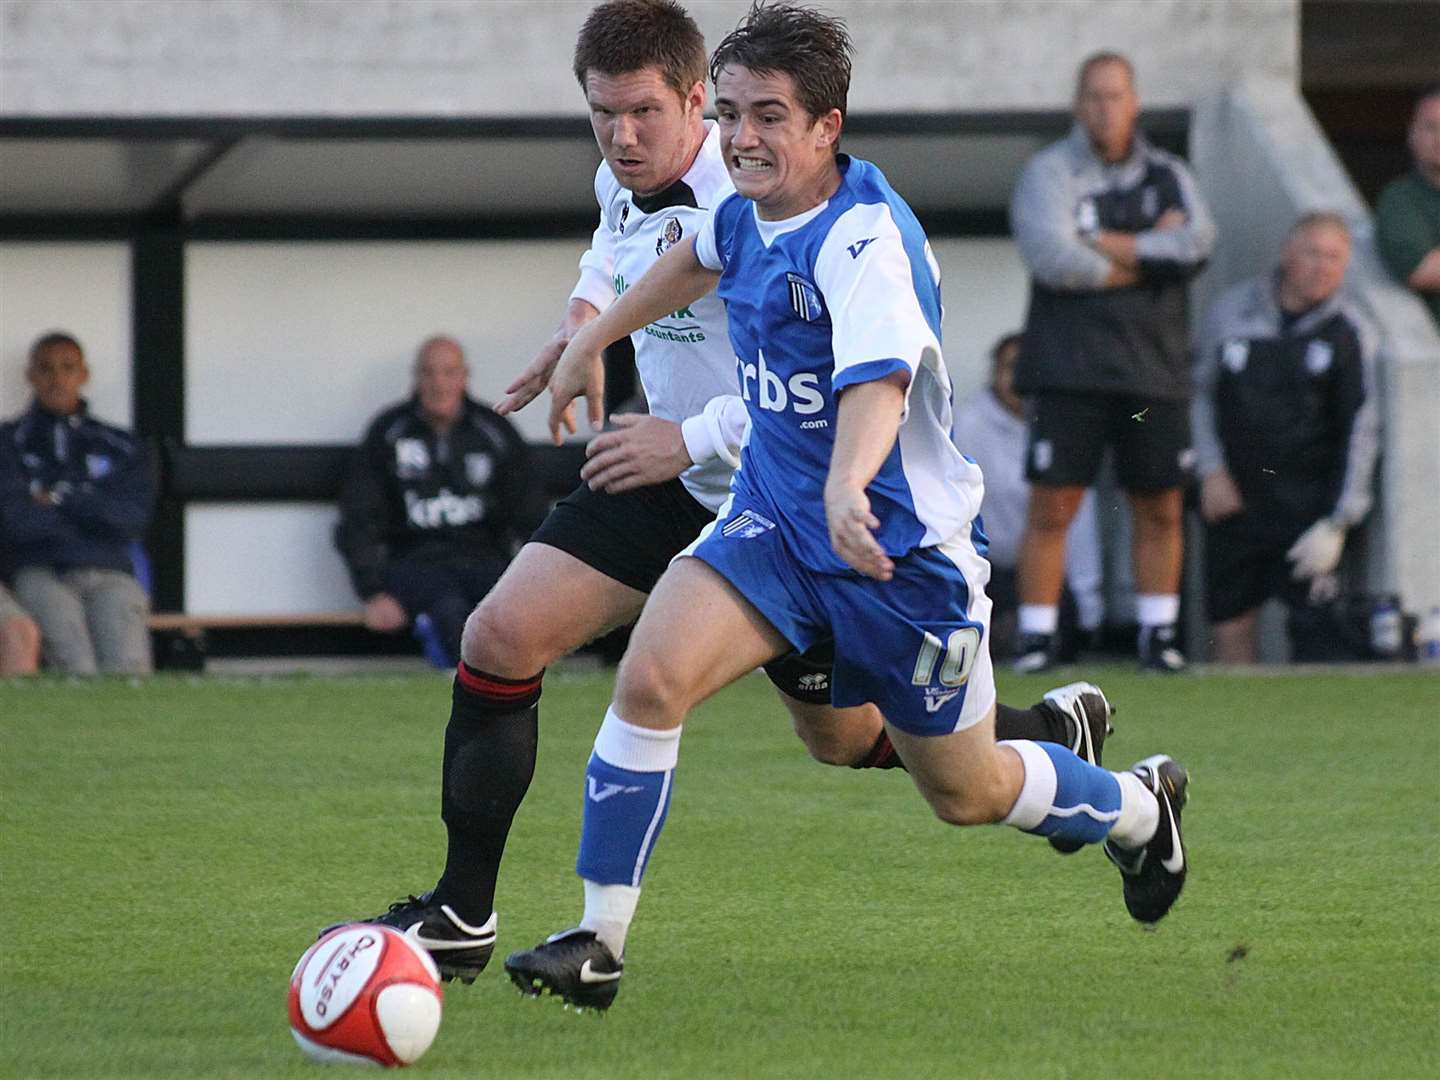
(1220, 498)
(1317, 552)
(852, 531)
(384, 615)
(530, 382)
(641, 450)
(580, 372)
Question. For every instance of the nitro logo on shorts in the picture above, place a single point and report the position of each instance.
(1318, 357)
(745, 525)
(670, 234)
(1042, 454)
(804, 299)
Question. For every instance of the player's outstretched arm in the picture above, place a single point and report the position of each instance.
(530, 382)
(676, 280)
(866, 425)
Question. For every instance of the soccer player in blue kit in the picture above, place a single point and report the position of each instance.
(852, 516)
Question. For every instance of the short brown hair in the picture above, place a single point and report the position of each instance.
(622, 36)
(1094, 60)
(813, 49)
(50, 340)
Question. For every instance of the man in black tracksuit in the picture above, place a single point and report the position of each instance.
(1111, 229)
(433, 502)
(1286, 432)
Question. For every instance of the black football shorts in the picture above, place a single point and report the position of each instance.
(631, 537)
(1069, 434)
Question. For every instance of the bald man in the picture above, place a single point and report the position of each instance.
(433, 501)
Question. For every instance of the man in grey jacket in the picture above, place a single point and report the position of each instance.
(1111, 229)
(1286, 433)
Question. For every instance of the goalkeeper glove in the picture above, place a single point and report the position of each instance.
(1317, 552)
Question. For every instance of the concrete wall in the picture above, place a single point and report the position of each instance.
(511, 57)
(1262, 160)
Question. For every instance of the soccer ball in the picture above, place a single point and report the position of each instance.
(365, 994)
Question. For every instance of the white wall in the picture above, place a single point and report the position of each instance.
(304, 342)
(83, 289)
(512, 57)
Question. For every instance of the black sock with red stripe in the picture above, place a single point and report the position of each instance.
(1036, 724)
(489, 760)
(881, 756)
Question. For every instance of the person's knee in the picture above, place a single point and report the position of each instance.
(835, 736)
(1159, 512)
(648, 691)
(1052, 509)
(975, 804)
(503, 643)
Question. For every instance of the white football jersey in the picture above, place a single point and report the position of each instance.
(683, 360)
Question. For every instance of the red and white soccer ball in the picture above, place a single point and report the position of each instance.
(365, 994)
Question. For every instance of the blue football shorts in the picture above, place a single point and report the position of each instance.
(916, 646)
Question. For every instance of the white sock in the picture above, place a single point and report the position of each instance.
(1139, 813)
(609, 910)
(1157, 609)
(1039, 618)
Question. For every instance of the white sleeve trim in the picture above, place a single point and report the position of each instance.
(870, 293)
(706, 249)
(717, 432)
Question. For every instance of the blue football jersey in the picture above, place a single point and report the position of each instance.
(847, 292)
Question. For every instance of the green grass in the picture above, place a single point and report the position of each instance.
(168, 849)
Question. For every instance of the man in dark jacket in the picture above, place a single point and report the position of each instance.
(75, 497)
(1286, 433)
(1111, 229)
(433, 502)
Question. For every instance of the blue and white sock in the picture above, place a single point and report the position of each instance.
(1063, 795)
(627, 794)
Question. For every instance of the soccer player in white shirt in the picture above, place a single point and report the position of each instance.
(591, 564)
(851, 516)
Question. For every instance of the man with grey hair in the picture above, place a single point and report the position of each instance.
(1286, 433)
(1111, 229)
(433, 502)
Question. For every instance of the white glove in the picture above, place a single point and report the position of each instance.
(1317, 552)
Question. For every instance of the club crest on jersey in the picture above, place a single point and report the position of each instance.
(804, 299)
(746, 524)
(479, 468)
(670, 234)
(1318, 356)
(411, 457)
(1235, 355)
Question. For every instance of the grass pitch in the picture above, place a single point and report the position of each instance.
(168, 849)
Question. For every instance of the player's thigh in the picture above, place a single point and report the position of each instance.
(833, 736)
(1067, 438)
(697, 635)
(547, 603)
(1152, 444)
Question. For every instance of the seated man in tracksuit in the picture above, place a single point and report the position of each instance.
(432, 503)
(75, 497)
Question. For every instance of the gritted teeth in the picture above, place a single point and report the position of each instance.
(751, 164)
